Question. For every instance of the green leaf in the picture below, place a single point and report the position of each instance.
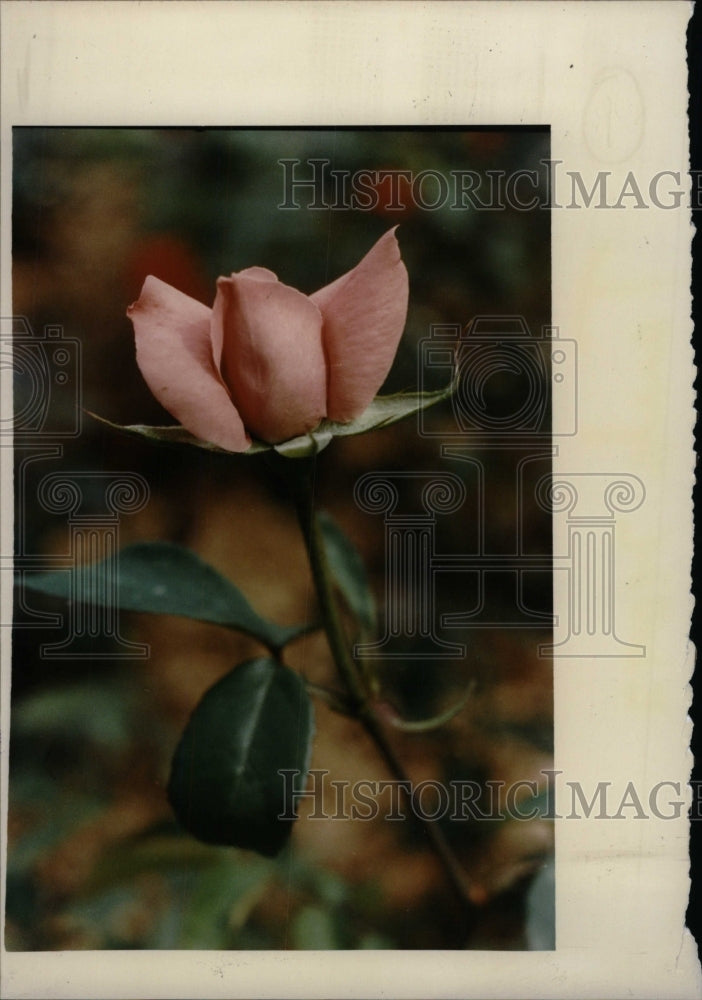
(386, 410)
(174, 434)
(132, 857)
(222, 900)
(225, 785)
(348, 570)
(299, 447)
(313, 929)
(382, 412)
(96, 712)
(167, 579)
(436, 721)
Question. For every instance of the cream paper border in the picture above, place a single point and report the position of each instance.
(610, 79)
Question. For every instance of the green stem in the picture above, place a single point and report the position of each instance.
(360, 703)
(331, 617)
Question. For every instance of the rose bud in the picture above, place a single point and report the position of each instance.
(267, 361)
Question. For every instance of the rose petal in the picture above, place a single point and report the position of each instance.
(364, 314)
(272, 357)
(217, 330)
(260, 273)
(172, 333)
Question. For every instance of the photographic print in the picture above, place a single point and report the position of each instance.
(346, 444)
(347, 591)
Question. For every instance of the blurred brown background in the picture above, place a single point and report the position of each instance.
(95, 859)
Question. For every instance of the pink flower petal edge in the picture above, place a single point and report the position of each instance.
(364, 313)
(174, 354)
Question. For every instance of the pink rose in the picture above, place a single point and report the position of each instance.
(266, 359)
